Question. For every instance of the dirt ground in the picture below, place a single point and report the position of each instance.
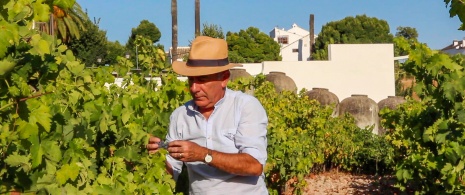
(338, 183)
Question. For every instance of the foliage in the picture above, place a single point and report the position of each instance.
(429, 134)
(146, 29)
(252, 46)
(113, 50)
(64, 129)
(407, 32)
(67, 19)
(212, 30)
(354, 30)
(91, 45)
(457, 8)
(303, 137)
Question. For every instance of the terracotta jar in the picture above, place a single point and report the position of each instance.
(323, 95)
(238, 73)
(281, 81)
(364, 110)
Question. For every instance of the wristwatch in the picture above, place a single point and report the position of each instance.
(208, 157)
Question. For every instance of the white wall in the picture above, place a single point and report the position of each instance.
(352, 69)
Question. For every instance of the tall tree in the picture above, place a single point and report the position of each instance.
(197, 18)
(174, 29)
(359, 29)
(407, 32)
(91, 46)
(147, 29)
(252, 46)
(67, 19)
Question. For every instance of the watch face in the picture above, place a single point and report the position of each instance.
(208, 159)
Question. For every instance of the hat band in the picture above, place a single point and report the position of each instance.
(219, 62)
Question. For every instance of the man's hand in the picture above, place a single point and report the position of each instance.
(153, 146)
(187, 151)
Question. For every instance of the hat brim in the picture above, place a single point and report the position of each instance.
(182, 69)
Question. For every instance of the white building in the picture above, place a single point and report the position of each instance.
(366, 69)
(455, 48)
(295, 43)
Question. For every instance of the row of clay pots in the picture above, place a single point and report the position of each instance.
(361, 107)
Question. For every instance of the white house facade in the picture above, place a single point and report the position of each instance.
(457, 47)
(295, 43)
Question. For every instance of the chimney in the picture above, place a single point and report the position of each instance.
(312, 33)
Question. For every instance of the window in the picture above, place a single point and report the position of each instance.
(295, 50)
(283, 39)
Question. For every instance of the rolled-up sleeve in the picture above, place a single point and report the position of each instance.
(172, 135)
(251, 134)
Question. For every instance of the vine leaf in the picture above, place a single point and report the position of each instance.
(36, 151)
(68, 171)
(26, 129)
(16, 160)
(40, 113)
(9, 34)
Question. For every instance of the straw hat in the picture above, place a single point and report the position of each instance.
(207, 56)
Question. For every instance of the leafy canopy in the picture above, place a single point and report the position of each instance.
(355, 30)
(252, 46)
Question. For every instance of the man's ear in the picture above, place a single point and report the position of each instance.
(226, 74)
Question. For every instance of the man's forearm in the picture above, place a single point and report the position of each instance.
(239, 164)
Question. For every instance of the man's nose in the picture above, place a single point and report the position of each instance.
(194, 87)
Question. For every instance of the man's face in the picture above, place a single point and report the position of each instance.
(209, 89)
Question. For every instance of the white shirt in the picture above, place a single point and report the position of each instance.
(237, 125)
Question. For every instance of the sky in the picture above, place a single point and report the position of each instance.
(430, 18)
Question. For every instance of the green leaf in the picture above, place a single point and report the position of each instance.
(74, 97)
(126, 115)
(62, 48)
(15, 160)
(103, 124)
(67, 171)
(41, 11)
(9, 36)
(27, 129)
(36, 151)
(6, 66)
(64, 4)
(441, 137)
(40, 46)
(128, 152)
(40, 113)
(75, 67)
(52, 150)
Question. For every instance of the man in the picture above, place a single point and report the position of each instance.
(220, 134)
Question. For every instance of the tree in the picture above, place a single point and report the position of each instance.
(113, 50)
(212, 30)
(197, 18)
(67, 18)
(146, 29)
(457, 8)
(252, 46)
(407, 32)
(359, 29)
(91, 45)
(174, 29)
